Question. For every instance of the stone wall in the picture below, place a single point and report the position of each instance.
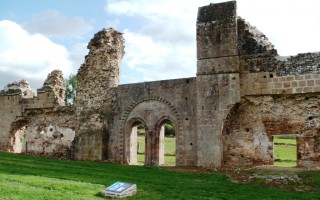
(27, 119)
(250, 127)
(49, 132)
(217, 77)
(243, 95)
(153, 103)
(10, 108)
(98, 79)
(268, 83)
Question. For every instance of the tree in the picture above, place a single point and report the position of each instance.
(169, 129)
(71, 84)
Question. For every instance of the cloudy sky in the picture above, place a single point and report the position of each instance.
(38, 36)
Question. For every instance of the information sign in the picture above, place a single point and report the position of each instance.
(120, 190)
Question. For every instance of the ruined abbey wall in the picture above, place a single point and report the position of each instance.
(153, 103)
(244, 94)
(37, 124)
(98, 79)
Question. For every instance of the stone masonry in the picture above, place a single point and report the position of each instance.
(98, 79)
(36, 124)
(243, 95)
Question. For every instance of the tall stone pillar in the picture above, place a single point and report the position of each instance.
(98, 79)
(218, 85)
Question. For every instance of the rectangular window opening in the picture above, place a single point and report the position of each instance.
(285, 150)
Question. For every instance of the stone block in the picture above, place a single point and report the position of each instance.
(307, 89)
(302, 83)
(288, 91)
(286, 85)
(278, 85)
(310, 82)
(289, 78)
(316, 89)
(298, 90)
(282, 79)
(294, 84)
(266, 91)
(308, 77)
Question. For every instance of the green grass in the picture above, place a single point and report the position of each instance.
(26, 177)
(169, 150)
(168, 160)
(285, 152)
(141, 144)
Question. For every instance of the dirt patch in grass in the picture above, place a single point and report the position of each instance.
(284, 178)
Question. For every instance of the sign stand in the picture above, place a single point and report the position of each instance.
(120, 190)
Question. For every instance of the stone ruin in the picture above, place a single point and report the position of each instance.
(243, 95)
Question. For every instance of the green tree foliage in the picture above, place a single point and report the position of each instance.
(71, 84)
(169, 130)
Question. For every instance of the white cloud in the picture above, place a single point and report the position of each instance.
(289, 24)
(29, 56)
(77, 55)
(155, 61)
(164, 47)
(54, 23)
(165, 21)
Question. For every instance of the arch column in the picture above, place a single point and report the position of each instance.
(151, 159)
(155, 150)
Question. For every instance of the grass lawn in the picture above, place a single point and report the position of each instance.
(285, 152)
(27, 177)
(169, 150)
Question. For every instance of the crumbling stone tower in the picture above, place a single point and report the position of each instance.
(98, 79)
(218, 85)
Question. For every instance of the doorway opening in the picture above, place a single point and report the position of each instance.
(137, 144)
(285, 150)
(141, 144)
(167, 144)
(18, 141)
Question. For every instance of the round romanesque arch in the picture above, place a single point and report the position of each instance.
(130, 139)
(160, 138)
(152, 112)
(132, 105)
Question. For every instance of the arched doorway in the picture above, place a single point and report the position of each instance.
(166, 142)
(154, 115)
(18, 141)
(136, 141)
(18, 144)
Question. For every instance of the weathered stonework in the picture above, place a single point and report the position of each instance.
(98, 79)
(36, 124)
(251, 125)
(244, 94)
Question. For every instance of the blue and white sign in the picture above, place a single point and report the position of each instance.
(118, 187)
(120, 190)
